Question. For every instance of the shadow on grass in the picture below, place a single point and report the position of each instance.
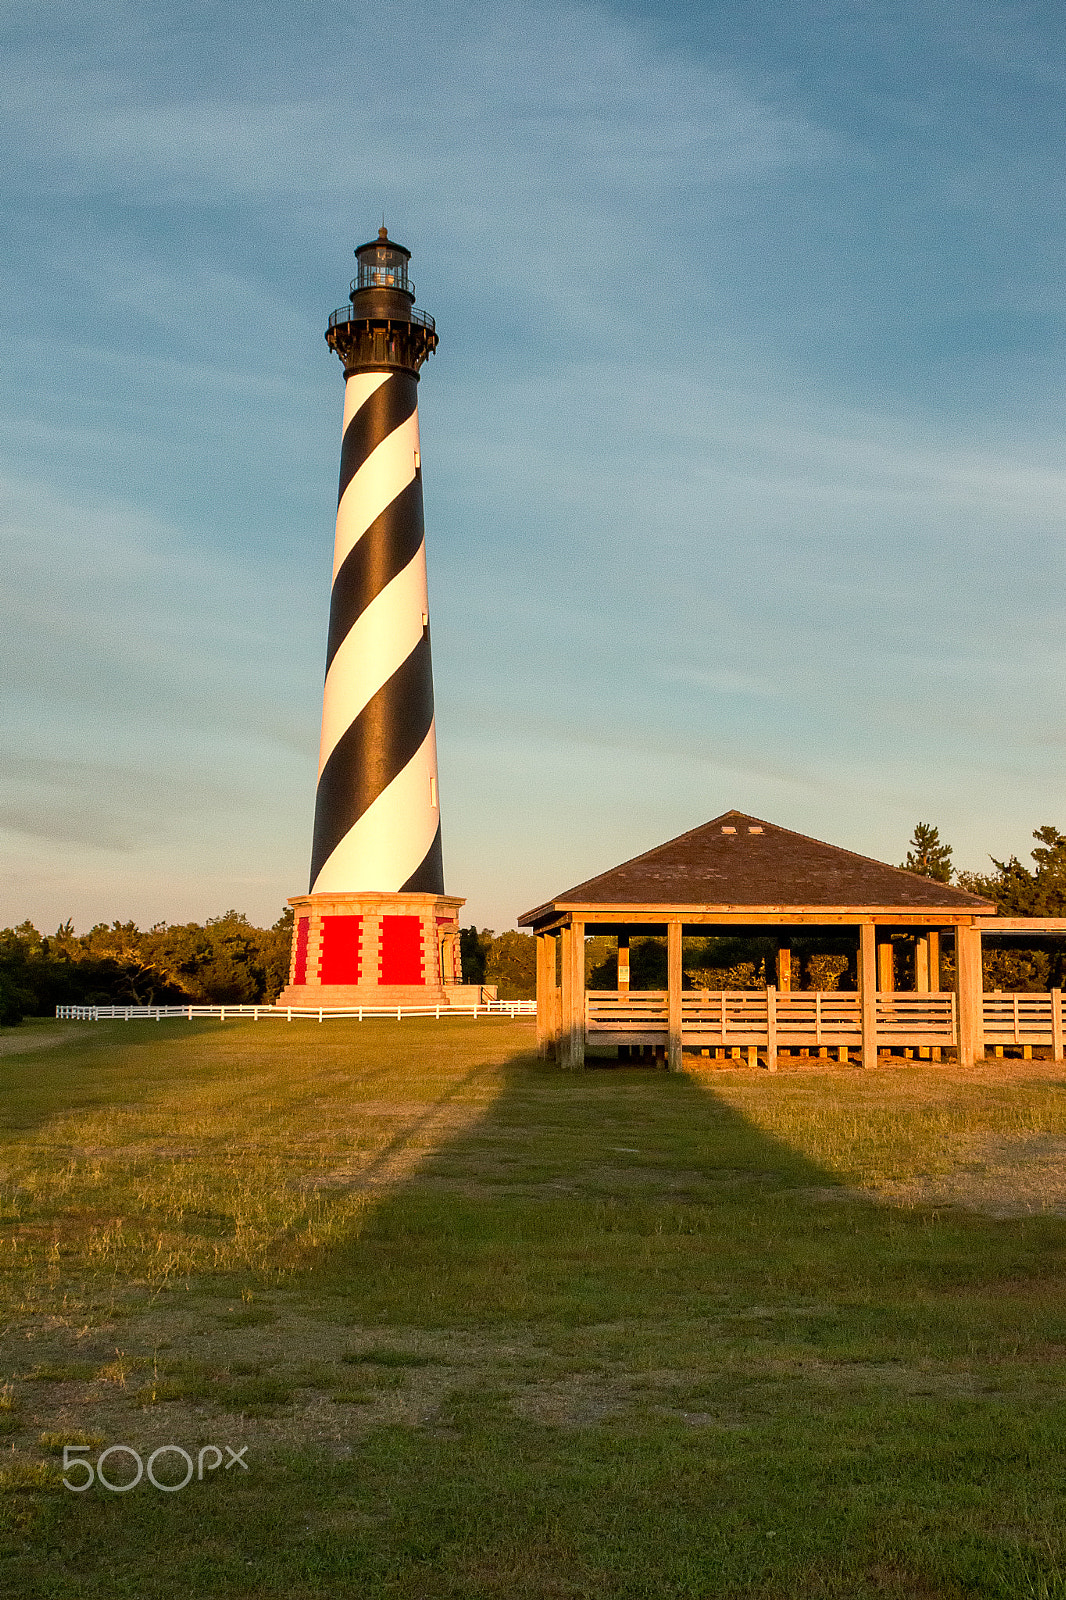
(680, 1359)
(629, 1193)
(741, 1376)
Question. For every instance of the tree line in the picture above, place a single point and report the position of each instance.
(227, 960)
(1016, 891)
(509, 960)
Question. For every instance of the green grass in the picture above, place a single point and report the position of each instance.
(54, 1442)
(383, 1357)
(486, 1329)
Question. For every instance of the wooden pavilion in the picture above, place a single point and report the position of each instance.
(738, 875)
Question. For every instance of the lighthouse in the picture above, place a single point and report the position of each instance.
(376, 927)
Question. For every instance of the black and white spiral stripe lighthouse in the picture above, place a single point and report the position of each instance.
(377, 814)
(376, 915)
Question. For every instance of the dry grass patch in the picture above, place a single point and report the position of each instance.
(31, 1036)
(992, 1137)
(999, 1174)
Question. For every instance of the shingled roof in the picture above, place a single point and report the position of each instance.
(736, 860)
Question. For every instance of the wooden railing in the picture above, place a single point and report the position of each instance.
(916, 1019)
(799, 1018)
(608, 1011)
(765, 1020)
(1024, 1019)
(747, 1016)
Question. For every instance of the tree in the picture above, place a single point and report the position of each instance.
(1038, 963)
(512, 965)
(1049, 853)
(17, 990)
(13, 1001)
(1021, 893)
(647, 963)
(927, 856)
(277, 943)
(509, 960)
(474, 950)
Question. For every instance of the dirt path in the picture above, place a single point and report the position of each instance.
(19, 1041)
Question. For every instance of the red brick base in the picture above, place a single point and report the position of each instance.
(372, 949)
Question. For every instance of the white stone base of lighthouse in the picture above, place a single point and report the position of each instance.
(376, 950)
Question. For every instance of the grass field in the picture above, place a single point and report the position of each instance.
(485, 1329)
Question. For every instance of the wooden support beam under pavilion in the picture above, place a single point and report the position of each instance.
(623, 961)
(673, 994)
(868, 991)
(566, 994)
(577, 1019)
(547, 1013)
(969, 987)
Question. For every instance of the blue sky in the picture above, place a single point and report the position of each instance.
(743, 448)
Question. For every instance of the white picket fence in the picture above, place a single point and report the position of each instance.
(487, 1008)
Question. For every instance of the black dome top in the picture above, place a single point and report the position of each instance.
(383, 240)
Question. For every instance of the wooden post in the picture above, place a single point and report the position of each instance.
(934, 974)
(543, 996)
(886, 966)
(771, 1028)
(997, 1049)
(623, 964)
(921, 977)
(921, 963)
(577, 996)
(673, 996)
(566, 998)
(868, 992)
(783, 971)
(549, 1029)
(886, 970)
(1056, 1024)
(969, 986)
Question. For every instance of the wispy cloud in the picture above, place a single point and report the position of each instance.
(743, 442)
(123, 621)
